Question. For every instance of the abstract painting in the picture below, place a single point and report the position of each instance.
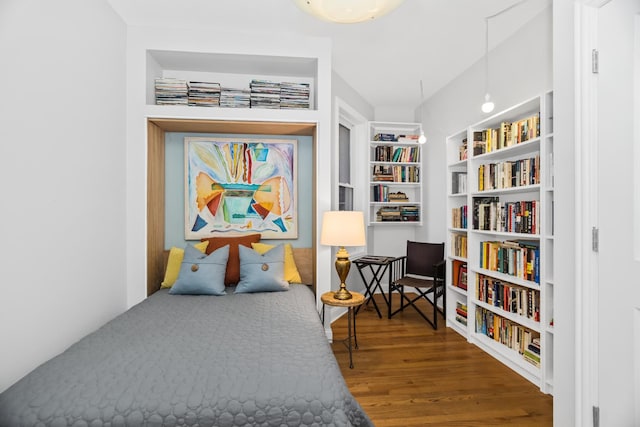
(240, 185)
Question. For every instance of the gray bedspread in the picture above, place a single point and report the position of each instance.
(178, 360)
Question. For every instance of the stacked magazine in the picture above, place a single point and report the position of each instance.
(265, 94)
(235, 98)
(171, 91)
(294, 95)
(204, 94)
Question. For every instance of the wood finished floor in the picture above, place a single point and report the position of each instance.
(407, 374)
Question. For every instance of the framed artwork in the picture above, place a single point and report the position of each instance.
(240, 186)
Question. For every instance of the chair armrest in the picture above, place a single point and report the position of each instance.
(398, 266)
(439, 269)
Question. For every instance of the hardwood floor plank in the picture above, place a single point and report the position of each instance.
(407, 374)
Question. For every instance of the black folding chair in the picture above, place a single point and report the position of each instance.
(422, 268)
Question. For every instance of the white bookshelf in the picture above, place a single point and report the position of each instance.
(505, 306)
(405, 162)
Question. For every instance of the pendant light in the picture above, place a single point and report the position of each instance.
(347, 11)
(422, 138)
(488, 104)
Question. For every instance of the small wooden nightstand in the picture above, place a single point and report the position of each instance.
(356, 300)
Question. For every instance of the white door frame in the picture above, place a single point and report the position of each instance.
(586, 217)
(587, 202)
(636, 196)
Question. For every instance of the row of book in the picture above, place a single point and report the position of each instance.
(405, 213)
(381, 193)
(511, 334)
(388, 153)
(513, 217)
(396, 173)
(461, 313)
(261, 94)
(509, 174)
(459, 245)
(410, 213)
(507, 135)
(509, 297)
(532, 353)
(459, 217)
(392, 137)
(458, 182)
(515, 258)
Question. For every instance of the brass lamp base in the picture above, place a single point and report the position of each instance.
(342, 293)
(342, 267)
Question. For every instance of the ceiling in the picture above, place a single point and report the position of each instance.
(384, 59)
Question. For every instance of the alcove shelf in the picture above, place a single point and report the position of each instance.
(156, 129)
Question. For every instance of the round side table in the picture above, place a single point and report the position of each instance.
(356, 300)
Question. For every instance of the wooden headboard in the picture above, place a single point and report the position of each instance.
(304, 261)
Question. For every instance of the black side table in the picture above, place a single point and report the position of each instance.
(356, 301)
(378, 265)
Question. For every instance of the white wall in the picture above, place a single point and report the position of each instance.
(397, 114)
(519, 68)
(62, 177)
(341, 89)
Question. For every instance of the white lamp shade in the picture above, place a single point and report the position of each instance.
(343, 228)
(422, 138)
(488, 105)
(347, 11)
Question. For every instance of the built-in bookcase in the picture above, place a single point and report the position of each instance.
(395, 174)
(500, 237)
(199, 56)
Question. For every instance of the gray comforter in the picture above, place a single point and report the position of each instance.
(172, 360)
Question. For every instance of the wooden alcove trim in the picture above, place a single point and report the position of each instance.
(156, 129)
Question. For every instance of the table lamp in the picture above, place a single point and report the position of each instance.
(343, 228)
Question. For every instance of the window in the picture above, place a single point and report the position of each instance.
(349, 164)
(349, 138)
(345, 186)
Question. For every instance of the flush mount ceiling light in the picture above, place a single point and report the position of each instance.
(347, 11)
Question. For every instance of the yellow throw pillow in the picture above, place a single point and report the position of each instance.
(291, 273)
(176, 255)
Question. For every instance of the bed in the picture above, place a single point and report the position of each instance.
(237, 359)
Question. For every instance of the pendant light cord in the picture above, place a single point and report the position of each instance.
(486, 43)
(422, 138)
(486, 55)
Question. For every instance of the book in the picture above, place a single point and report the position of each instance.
(462, 276)
(374, 259)
(458, 182)
(507, 134)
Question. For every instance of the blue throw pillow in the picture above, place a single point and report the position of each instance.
(261, 273)
(201, 274)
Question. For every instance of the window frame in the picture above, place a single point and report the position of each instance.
(347, 116)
